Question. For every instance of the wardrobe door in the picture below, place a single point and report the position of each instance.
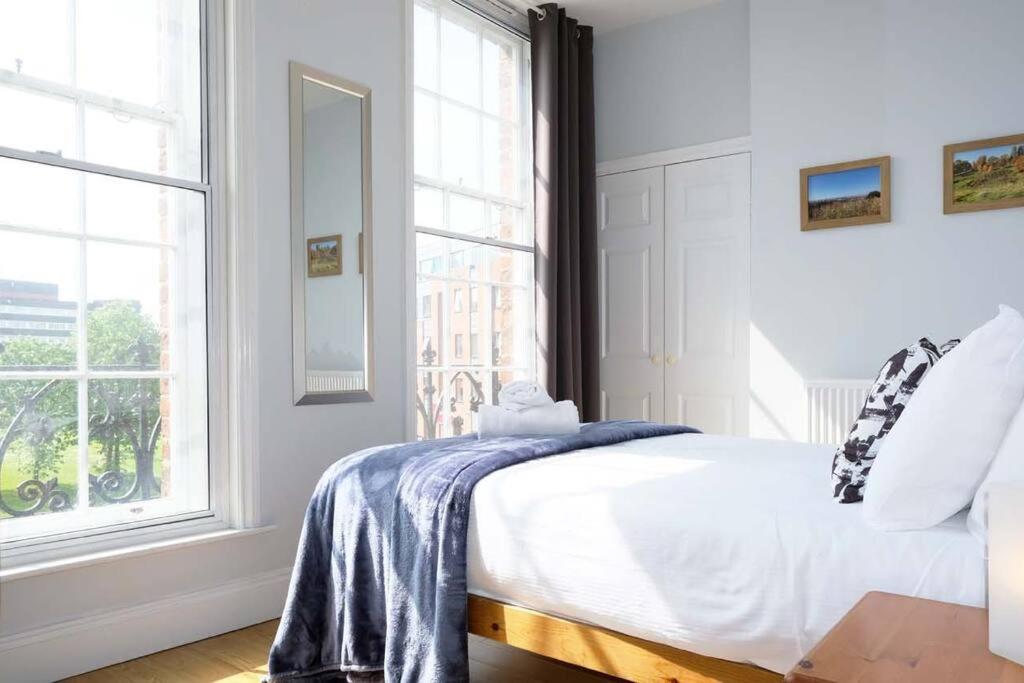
(631, 289)
(707, 283)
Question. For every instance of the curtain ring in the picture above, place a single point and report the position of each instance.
(541, 13)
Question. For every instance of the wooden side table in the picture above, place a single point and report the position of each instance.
(896, 638)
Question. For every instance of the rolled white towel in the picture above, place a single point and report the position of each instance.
(558, 418)
(521, 395)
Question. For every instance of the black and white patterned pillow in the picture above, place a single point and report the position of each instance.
(897, 380)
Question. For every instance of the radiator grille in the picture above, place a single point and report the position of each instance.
(832, 406)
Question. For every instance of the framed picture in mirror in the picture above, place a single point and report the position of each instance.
(323, 256)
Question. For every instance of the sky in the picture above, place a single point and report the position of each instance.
(972, 154)
(853, 183)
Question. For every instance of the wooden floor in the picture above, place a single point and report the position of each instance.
(242, 656)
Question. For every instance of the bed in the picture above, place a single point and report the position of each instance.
(672, 557)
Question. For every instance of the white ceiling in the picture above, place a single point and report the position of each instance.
(608, 15)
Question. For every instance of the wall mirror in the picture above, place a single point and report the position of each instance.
(332, 283)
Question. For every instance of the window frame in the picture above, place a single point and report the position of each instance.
(486, 26)
(226, 71)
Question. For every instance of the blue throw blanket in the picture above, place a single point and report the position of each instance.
(379, 583)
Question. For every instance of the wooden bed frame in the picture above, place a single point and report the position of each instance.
(599, 649)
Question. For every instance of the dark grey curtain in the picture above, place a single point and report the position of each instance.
(565, 196)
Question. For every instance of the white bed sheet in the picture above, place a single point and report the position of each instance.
(724, 546)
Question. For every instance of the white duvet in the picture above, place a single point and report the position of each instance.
(724, 546)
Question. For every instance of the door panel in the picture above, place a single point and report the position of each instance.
(631, 293)
(707, 237)
(625, 289)
(621, 407)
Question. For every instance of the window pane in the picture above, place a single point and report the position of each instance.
(115, 140)
(468, 261)
(500, 79)
(501, 157)
(37, 122)
(430, 254)
(429, 207)
(39, 196)
(460, 146)
(474, 302)
(425, 132)
(507, 224)
(118, 83)
(136, 66)
(35, 39)
(128, 447)
(429, 322)
(127, 321)
(465, 391)
(511, 327)
(38, 302)
(39, 467)
(425, 46)
(160, 36)
(147, 54)
(460, 61)
(429, 402)
(466, 215)
(491, 264)
(133, 210)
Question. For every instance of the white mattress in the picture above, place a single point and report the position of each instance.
(723, 546)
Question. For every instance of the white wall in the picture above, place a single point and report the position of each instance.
(362, 40)
(835, 81)
(673, 82)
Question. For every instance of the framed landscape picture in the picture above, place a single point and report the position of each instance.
(850, 193)
(983, 174)
(323, 255)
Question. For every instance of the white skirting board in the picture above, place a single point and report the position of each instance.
(94, 641)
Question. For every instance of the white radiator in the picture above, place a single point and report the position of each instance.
(832, 406)
(329, 380)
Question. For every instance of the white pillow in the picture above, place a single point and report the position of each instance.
(1007, 468)
(936, 455)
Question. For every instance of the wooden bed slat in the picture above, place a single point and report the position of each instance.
(602, 650)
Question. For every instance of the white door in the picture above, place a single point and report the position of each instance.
(707, 292)
(630, 243)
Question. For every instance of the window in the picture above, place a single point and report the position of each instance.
(473, 210)
(425, 307)
(104, 220)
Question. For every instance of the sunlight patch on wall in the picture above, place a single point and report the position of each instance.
(777, 394)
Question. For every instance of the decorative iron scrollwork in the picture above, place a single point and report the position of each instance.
(125, 420)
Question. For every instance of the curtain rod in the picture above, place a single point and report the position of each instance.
(523, 5)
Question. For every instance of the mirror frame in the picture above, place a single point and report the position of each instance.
(298, 74)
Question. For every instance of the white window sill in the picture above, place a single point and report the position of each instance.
(24, 571)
